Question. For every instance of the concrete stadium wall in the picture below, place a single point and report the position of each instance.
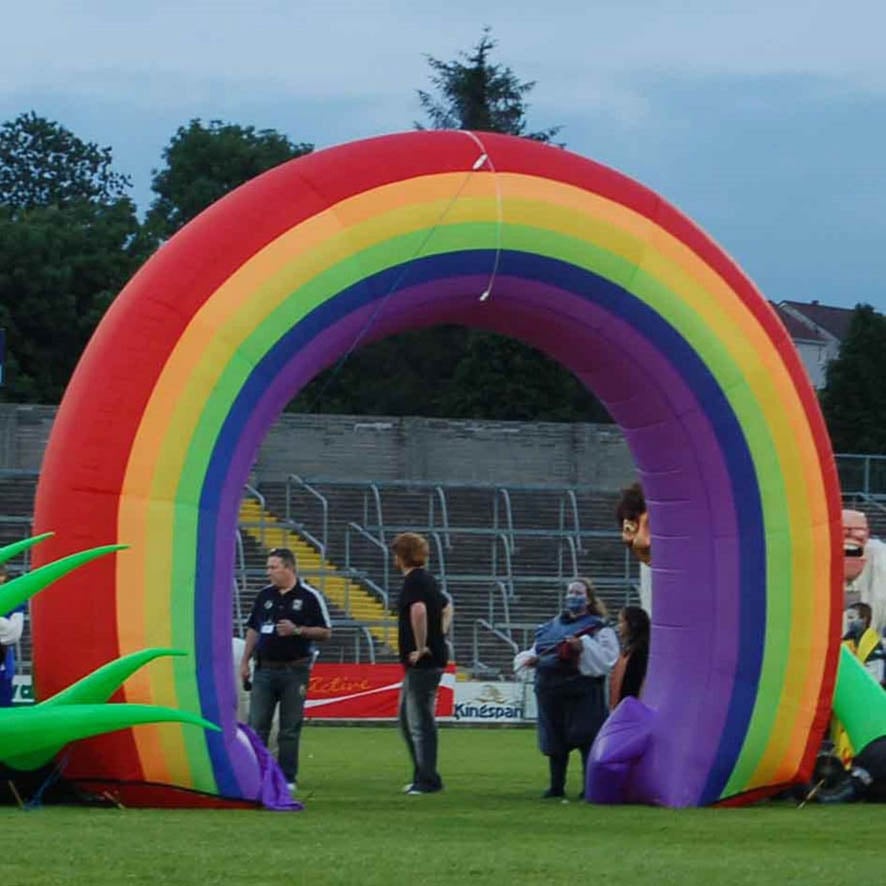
(446, 451)
(24, 430)
(341, 447)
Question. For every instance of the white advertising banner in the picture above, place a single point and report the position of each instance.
(477, 702)
(22, 690)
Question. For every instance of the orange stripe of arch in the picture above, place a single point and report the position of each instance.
(226, 303)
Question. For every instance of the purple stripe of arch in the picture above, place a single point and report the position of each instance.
(531, 305)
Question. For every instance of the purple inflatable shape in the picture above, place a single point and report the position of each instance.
(614, 763)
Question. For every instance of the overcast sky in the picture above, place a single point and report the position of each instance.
(764, 121)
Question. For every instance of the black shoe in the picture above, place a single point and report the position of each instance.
(580, 795)
(551, 794)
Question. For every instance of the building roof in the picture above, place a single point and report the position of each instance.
(832, 320)
(797, 329)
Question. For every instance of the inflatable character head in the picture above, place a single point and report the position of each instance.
(855, 536)
(633, 521)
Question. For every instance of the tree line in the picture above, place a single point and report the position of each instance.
(71, 237)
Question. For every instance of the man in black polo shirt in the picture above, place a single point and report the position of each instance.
(423, 619)
(287, 617)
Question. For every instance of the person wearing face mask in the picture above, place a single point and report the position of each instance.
(863, 773)
(572, 655)
(864, 642)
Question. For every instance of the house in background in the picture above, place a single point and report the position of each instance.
(817, 331)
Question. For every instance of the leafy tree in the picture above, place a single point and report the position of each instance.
(500, 378)
(67, 245)
(396, 376)
(414, 373)
(475, 94)
(60, 268)
(854, 396)
(44, 164)
(205, 162)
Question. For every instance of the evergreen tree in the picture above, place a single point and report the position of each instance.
(476, 94)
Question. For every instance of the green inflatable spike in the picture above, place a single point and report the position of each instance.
(15, 592)
(45, 730)
(17, 547)
(859, 701)
(95, 688)
(101, 684)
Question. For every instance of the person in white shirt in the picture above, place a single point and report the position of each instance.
(11, 627)
(572, 656)
(865, 567)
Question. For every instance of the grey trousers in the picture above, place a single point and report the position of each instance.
(418, 699)
(287, 687)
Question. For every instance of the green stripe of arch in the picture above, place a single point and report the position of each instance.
(487, 235)
(773, 494)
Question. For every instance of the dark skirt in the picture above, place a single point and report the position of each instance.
(571, 711)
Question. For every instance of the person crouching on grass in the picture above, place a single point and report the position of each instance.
(424, 615)
(572, 655)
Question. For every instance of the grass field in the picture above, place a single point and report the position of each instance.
(488, 827)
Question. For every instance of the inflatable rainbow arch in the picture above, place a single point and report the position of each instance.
(231, 318)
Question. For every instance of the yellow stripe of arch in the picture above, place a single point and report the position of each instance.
(319, 243)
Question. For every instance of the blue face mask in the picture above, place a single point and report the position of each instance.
(576, 605)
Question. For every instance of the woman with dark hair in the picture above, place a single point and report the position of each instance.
(630, 669)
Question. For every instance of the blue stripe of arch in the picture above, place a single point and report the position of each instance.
(728, 432)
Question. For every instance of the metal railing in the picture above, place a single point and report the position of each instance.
(501, 567)
(506, 549)
(286, 524)
(481, 623)
(502, 493)
(441, 560)
(863, 475)
(252, 492)
(569, 542)
(872, 503)
(23, 526)
(238, 581)
(569, 502)
(439, 494)
(322, 541)
(504, 594)
(372, 491)
(385, 559)
(361, 635)
(526, 631)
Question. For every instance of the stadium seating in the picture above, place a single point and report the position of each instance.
(503, 554)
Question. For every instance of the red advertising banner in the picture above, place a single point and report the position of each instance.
(355, 692)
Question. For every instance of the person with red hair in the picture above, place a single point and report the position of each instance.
(424, 615)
